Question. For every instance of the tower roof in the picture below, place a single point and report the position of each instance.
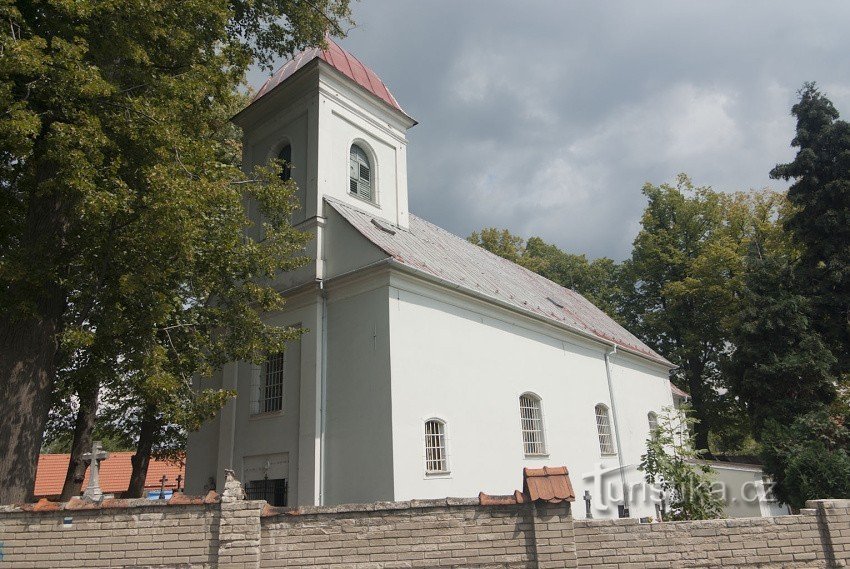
(340, 60)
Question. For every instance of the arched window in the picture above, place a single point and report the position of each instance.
(285, 156)
(360, 174)
(603, 428)
(652, 419)
(531, 413)
(435, 447)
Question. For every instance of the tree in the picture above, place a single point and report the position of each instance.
(820, 224)
(808, 459)
(680, 286)
(123, 210)
(670, 464)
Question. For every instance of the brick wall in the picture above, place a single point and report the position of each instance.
(190, 534)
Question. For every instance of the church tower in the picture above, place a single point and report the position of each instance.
(339, 126)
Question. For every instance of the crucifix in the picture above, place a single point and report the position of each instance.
(179, 480)
(162, 482)
(93, 458)
(587, 513)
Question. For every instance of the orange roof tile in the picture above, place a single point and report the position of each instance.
(114, 473)
(547, 484)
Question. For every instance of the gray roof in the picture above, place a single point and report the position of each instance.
(454, 260)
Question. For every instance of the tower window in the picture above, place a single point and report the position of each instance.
(531, 413)
(360, 174)
(270, 389)
(435, 447)
(285, 156)
(603, 428)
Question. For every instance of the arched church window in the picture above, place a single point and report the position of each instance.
(531, 414)
(652, 419)
(285, 156)
(435, 447)
(360, 174)
(603, 428)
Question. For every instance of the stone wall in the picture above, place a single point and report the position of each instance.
(193, 533)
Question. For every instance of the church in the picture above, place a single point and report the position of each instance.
(429, 367)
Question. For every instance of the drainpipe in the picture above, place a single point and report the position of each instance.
(617, 429)
(323, 387)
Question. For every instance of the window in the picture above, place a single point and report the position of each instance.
(435, 447)
(532, 425)
(603, 427)
(270, 396)
(285, 156)
(273, 491)
(652, 419)
(360, 174)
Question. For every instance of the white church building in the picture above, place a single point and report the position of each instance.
(429, 367)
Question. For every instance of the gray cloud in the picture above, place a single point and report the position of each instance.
(547, 117)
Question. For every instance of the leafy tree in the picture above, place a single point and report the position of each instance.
(123, 239)
(670, 464)
(820, 224)
(681, 282)
(808, 458)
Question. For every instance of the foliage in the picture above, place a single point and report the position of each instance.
(820, 222)
(810, 457)
(123, 251)
(670, 463)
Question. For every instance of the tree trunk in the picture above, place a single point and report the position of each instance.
(148, 431)
(83, 431)
(696, 386)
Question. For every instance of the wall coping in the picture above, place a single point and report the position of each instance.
(82, 505)
(271, 511)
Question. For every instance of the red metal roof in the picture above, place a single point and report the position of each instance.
(114, 473)
(340, 60)
(433, 250)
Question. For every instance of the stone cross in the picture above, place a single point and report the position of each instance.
(587, 513)
(93, 491)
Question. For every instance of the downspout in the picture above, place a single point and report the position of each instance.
(323, 404)
(617, 429)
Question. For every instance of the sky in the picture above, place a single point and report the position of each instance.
(548, 117)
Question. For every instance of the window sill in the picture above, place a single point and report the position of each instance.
(364, 200)
(609, 455)
(537, 456)
(265, 415)
(438, 475)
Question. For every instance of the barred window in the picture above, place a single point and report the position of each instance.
(531, 413)
(652, 419)
(270, 397)
(272, 491)
(603, 427)
(435, 447)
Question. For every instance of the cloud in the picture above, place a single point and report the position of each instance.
(548, 117)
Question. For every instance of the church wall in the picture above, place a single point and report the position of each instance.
(202, 445)
(467, 363)
(358, 435)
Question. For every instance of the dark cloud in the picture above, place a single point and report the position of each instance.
(548, 117)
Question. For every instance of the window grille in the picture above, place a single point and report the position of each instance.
(532, 425)
(603, 427)
(285, 156)
(435, 447)
(652, 419)
(271, 390)
(360, 173)
(273, 491)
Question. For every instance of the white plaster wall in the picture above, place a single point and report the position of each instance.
(202, 446)
(467, 364)
(358, 434)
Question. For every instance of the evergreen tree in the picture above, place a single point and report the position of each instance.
(820, 224)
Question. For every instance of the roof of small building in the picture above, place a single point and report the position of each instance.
(114, 473)
(454, 260)
(339, 59)
(548, 484)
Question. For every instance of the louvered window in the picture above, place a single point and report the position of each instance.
(285, 156)
(603, 428)
(435, 447)
(360, 174)
(270, 389)
(531, 414)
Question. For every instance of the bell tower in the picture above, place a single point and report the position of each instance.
(341, 129)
